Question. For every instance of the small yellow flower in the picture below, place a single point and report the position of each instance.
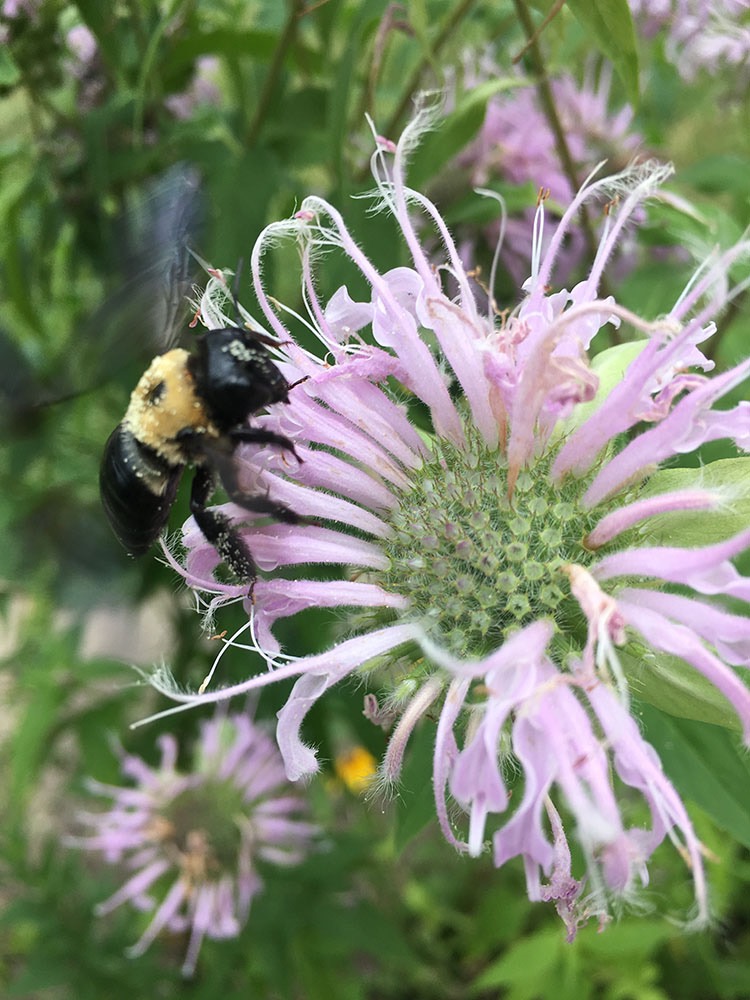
(356, 768)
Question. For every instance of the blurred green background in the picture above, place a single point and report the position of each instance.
(104, 107)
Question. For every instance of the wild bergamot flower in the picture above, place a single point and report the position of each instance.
(516, 145)
(702, 35)
(193, 839)
(510, 547)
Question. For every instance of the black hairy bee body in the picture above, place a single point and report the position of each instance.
(191, 409)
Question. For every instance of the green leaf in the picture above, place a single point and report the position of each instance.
(706, 765)
(722, 173)
(31, 743)
(9, 72)
(527, 965)
(343, 80)
(610, 367)
(416, 802)
(455, 131)
(256, 45)
(610, 25)
(634, 940)
(694, 529)
(673, 686)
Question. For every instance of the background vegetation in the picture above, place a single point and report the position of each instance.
(104, 108)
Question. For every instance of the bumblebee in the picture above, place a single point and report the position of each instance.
(190, 408)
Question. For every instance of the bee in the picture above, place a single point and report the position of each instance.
(190, 409)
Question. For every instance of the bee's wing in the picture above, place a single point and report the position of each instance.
(173, 222)
(158, 225)
(152, 266)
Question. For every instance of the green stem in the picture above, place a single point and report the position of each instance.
(549, 108)
(146, 66)
(547, 100)
(296, 10)
(452, 20)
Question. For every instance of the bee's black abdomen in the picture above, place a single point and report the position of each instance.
(137, 489)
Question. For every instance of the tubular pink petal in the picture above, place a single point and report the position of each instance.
(320, 673)
(328, 472)
(318, 504)
(706, 569)
(562, 889)
(135, 886)
(322, 426)
(639, 766)
(162, 917)
(392, 326)
(418, 704)
(292, 545)
(363, 404)
(461, 340)
(728, 633)
(423, 379)
(446, 750)
(624, 518)
(679, 640)
(275, 599)
(656, 364)
(688, 426)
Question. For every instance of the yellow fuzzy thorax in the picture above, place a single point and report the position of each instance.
(164, 403)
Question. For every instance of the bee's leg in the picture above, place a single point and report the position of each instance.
(257, 435)
(258, 503)
(218, 530)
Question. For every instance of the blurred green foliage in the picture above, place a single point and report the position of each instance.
(86, 143)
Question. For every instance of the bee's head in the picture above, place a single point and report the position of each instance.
(235, 375)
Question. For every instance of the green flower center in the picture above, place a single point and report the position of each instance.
(477, 566)
(208, 815)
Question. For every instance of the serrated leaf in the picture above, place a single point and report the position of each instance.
(610, 25)
(694, 529)
(455, 131)
(706, 765)
(673, 686)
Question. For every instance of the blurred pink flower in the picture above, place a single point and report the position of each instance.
(193, 839)
(516, 145)
(702, 35)
(203, 90)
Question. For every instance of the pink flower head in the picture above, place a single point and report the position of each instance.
(702, 35)
(203, 89)
(516, 145)
(496, 562)
(193, 840)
